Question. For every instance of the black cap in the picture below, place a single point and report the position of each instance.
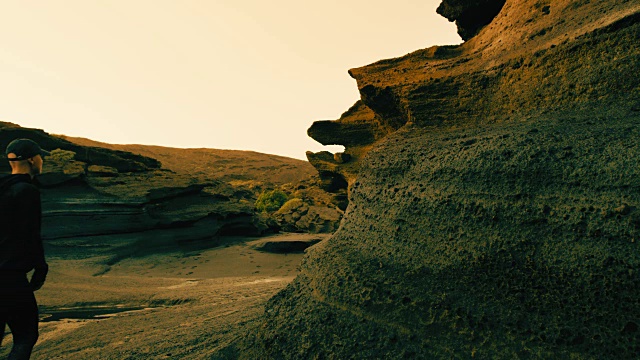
(24, 149)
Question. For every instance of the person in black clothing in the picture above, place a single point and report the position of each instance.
(21, 247)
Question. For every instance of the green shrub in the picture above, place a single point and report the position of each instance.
(291, 205)
(60, 156)
(270, 201)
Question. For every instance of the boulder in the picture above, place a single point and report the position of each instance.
(298, 216)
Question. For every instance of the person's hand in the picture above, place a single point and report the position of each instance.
(36, 285)
(38, 278)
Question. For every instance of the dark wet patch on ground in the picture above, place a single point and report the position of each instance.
(87, 312)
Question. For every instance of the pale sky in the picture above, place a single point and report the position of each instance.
(222, 74)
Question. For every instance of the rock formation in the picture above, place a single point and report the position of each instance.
(357, 129)
(118, 203)
(308, 210)
(120, 160)
(296, 215)
(494, 207)
(470, 16)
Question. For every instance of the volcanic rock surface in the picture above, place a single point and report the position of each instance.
(470, 16)
(494, 204)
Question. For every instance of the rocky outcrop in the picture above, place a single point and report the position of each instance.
(115, 204)
(306, 209)
(93, 206)
(120, 160)
(500, 75)
(296, 215)
(357, 129)
(470, 16)
(500, 220)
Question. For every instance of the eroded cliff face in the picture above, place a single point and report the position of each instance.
(118, 203)
(358, 129)
(494, 207)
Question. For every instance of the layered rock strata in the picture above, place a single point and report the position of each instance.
(116, 204)
(501, 219)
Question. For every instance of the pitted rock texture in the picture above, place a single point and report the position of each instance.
(535, 56)
(499, 243)
(502, 219)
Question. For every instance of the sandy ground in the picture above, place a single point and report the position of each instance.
(185, 304)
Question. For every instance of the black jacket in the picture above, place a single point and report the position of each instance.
(21, 247)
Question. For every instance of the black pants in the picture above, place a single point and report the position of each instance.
(19, 310)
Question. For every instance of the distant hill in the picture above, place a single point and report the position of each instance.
(226, 165)
(90, 188)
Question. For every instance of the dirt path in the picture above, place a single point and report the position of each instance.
(181, 305)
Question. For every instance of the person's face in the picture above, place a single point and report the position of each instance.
(36, 165)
